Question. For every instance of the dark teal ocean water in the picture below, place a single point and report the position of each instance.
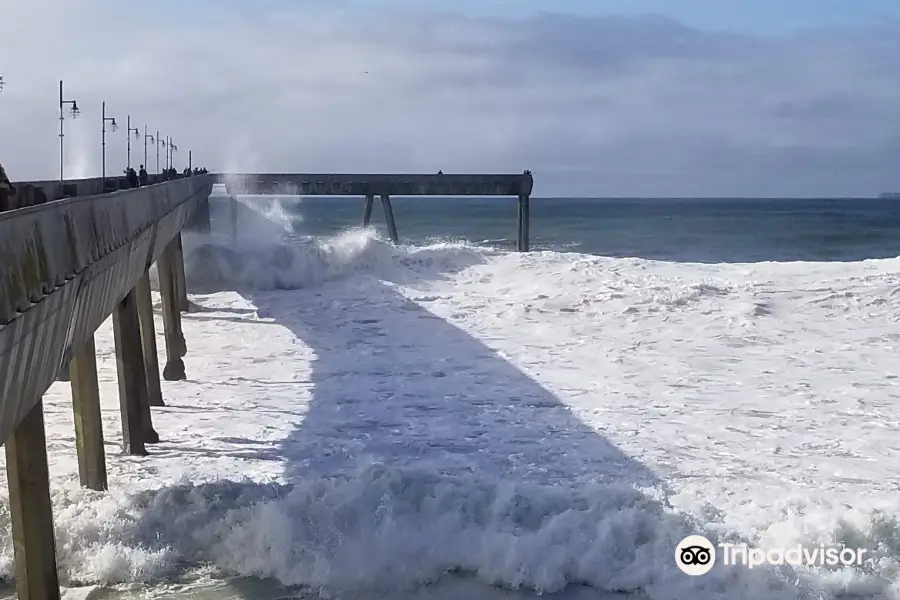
(689, 230)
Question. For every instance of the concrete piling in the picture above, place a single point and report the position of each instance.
(522, 240)
(132, 377)
(174, 369)
(389, 218)
(367, 210)
(88, 421)
(148, 340)
(31, 512)
(181, 284)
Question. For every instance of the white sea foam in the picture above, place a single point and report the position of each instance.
(362, 419)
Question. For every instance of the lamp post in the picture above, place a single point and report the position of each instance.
(137, 136)
(74, 110)
(172, 150)
(152, 141)
(2, 83)
(114, 126)
(159, 143)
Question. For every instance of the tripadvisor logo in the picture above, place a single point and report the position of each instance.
(695, 555)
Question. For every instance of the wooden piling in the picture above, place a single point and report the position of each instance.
(389, 218)
(88, 421)
(132, 378)
(367, 209)
(148, 340)
(523, 242)
(31, 511)
(174, 369)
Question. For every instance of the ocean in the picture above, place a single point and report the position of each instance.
(677, 229)
(447, 419)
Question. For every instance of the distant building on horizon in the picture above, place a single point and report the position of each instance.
(890, 196)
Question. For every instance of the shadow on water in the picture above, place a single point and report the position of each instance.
(429, 466)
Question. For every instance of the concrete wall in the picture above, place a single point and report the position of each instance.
(389, 184)
(30, 193)
(65, 267)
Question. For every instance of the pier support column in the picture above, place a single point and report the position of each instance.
(31, 511)
(148, 340)
(88, 420)
(367, 210)
(200, 220)
(389, 218)
(233, 215)
(174, 369)
(132, 377)
(181, 283)
(523, 242)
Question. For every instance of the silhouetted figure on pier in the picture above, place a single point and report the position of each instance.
(7, 191)
(187, 172)
(131, 178)
(143, 177)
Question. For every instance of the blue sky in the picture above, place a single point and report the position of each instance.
(719, 98)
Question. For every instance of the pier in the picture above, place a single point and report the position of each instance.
(72, 256)
(387, 185)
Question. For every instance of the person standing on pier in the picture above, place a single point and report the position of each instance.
(7, 191)
(143, 177)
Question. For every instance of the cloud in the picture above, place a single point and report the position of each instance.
(594, 105)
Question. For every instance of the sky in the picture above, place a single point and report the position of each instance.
(597, 98)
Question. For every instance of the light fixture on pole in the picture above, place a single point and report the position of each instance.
(152, 140)
(172, 150)
(137, 136)
(159, 142)
(2, 83)
(75, 112)
(114, 126)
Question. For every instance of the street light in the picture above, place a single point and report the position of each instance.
(137, 136)
(114, 126)
(152, 140)
(159, 142)
(75, 112)
(172, 150)
(166, 146)
(1, 83)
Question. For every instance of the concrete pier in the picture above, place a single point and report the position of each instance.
(66, 264)
(387, 185)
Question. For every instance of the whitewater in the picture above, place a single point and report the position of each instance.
(368, 421)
